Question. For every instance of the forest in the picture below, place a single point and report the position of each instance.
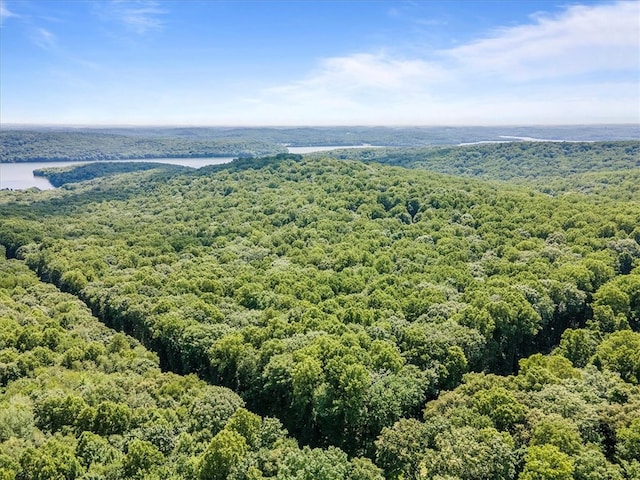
(126, 143)
(449, 313)
(44, 146)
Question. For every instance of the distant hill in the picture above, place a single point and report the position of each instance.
(356, 135)
(513, 161)
(30, 146)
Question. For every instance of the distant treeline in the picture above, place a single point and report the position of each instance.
(31, 146)
(80, 173)
(262, 140)
(507, 161)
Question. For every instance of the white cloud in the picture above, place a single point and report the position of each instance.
(137, 16)
(44, 38)
(5, 12)
(582, 39)
(541, 72)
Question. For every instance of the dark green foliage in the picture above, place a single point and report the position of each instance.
(38, 146)
(529, 161)
(337, 296)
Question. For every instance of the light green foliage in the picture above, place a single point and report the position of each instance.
(16, 418)
(338, 296)
(591, 464)
(225, 451)
(538, 370)
(212, 407)
(578, 346)
(501, 406)
(547, 462)
(620, 352)
(555, 430)
(246, 424)
(52, 461)
(316, 464)
(92, 449)
(469, 453)
(140, 458)
(629, 439)
(364, 469)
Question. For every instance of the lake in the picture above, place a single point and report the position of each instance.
(19, 176)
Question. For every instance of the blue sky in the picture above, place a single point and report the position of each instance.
(262, 62)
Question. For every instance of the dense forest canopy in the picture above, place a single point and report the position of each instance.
(396, 321)
(78, 400)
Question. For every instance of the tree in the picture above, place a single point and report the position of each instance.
(364, 469)
(611, 295)
(226, 450)
(401, 448)
(112, 418)
(620, 352)
(140, 458)
(559, 432)
(55, 460)
(629, 441)
(501, 406)
(547, 462)
(593, 465)
(210, 410)
(578, 346)
(471, 454)
(246, 424)
(315, 464)
(94, 449)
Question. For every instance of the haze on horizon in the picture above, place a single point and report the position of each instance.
(296, 63)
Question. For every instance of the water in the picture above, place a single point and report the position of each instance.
(19, 176)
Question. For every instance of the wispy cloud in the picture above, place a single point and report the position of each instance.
(137, 16)
(37, 34)
(5, 12)
(565, 65)
(44, 38)
(582, 39)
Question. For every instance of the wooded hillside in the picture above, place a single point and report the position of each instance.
(440, 326)
(39, 146)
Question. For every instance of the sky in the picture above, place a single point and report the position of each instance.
(342, 62)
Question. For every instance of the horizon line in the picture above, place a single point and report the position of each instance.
(4, 125)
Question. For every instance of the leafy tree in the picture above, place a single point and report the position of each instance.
(620, 352)
(593, 465)
(559, 432)
(140, 458)
(547, 462)
(501, 406)
(629, 438)
(54, 460)
(225, 451)
(246, 424)
(112, 418)
(578, 346)
(401, 448)
(94, 449)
